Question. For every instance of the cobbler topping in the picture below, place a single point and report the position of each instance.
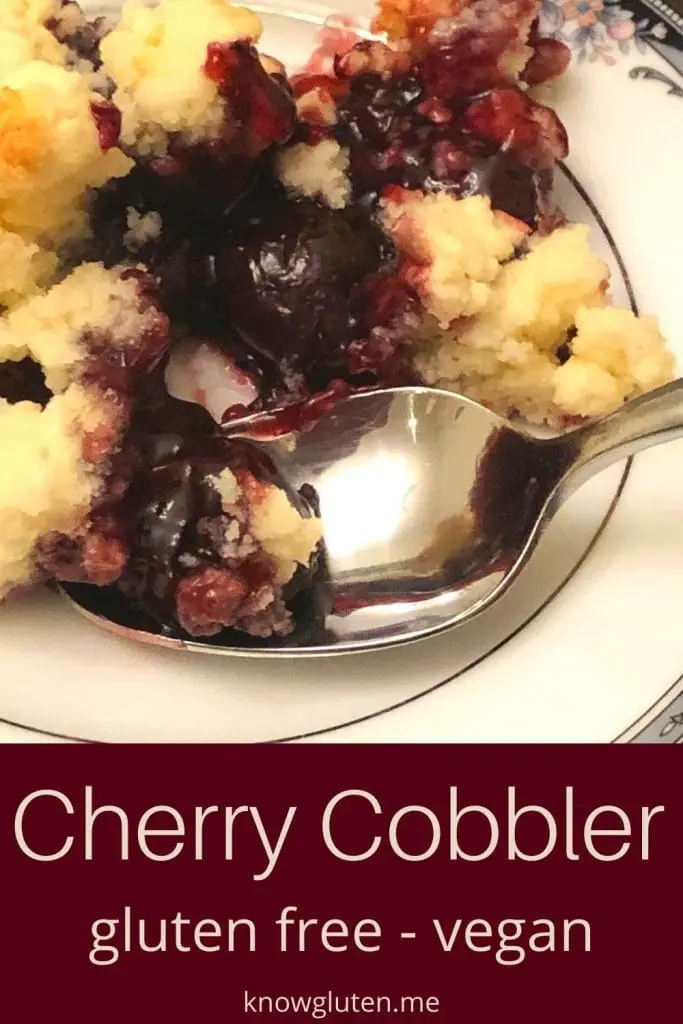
(228, 488)
(25, 36)
(406, 20)
(44, 483)
(143, 228)
(25, 268)
(159, 57)
(50, 147)
(70, 361)
(514, 357)
(284, 535)
(89, 323)
(452, 249)
(614, 355)
(317, 171)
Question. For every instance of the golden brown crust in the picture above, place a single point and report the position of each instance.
(50, 151)
(409, 19)
(22, 134)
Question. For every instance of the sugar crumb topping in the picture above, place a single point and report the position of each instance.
(69, 19)
(24, 37)
(284, 533)
(318, 172)
(537, 298)
(25, 268)
(29, 11)
(507, 358)
(156, 55)
(45, 486)
(456, 247)
(21, 43)
(317, 107)
(52, 328)
(142, 228)
(49, 147)
(228, 488)
(615, 355)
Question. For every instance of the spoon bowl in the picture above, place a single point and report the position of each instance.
(431, 507)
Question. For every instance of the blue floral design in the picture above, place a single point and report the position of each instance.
(598, 29)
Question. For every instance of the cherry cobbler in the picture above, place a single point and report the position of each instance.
(188, 233)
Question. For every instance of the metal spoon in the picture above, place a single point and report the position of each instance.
(431, 507)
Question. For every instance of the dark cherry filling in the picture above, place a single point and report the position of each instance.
(107, 120)
(120, 368)
(473, 49)
(285, 287)
(23, 381)
(507, 480)
(196, 186)
(261, 108)
(172, 522)
(178, 255)
(305, 298)
(98, 558)
(451, 120)
(293, 417)
(157, 539)
(550, 58)
(472, 53)
(209, 177)
(176, 513)
(286, 278)
(394, 142)
(510, 118)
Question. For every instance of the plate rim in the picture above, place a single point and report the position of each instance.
(658, 708)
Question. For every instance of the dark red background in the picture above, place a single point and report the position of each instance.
(634, 907)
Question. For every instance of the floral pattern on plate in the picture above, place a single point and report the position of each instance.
(662, 725)
(593, 29)
(599, 29)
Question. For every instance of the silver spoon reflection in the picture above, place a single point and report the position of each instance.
(431, 507)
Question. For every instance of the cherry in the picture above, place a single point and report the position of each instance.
(285, 278)
(107, 119)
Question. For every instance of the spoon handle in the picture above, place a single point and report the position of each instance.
(652, 419)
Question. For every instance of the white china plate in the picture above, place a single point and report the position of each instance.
(588, 646)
